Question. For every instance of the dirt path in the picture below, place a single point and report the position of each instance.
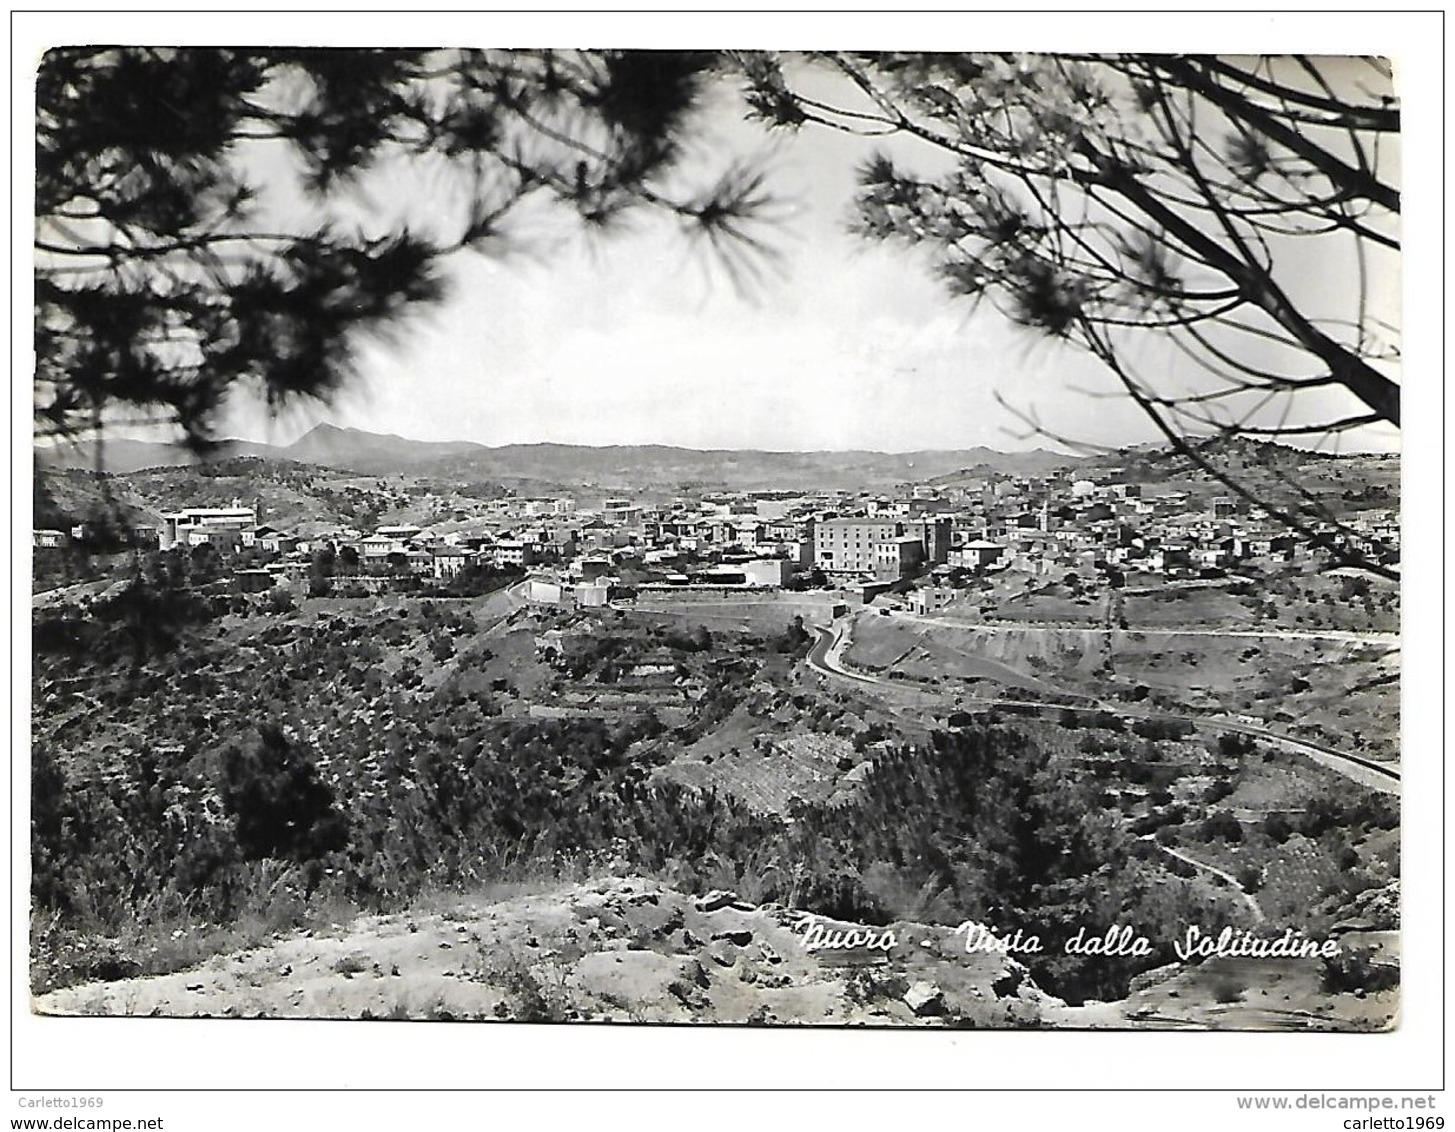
(1227, 878)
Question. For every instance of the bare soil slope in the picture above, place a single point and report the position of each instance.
(613, 950)
(633, 950)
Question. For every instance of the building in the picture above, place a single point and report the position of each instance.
(224, 540)
(543, 591)
(720, 576)
(599, 536)
(47, 539)
(557, 546)
(852, 546)
(594, 595)
(515, 552)
(449, 561)
(898, 558)
(592, 568)
(191, 525)
(253, 581)
(274, 542)
(766, 572)
(378, 547)
(976, 555)
(930, 599)
(536, 508)
(620, 512)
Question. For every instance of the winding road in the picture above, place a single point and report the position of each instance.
(827, 657)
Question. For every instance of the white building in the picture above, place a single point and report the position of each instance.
(381, 546)
(976, 555)
(543, 592)
(449, 561)
(179, 526)
(766, 572)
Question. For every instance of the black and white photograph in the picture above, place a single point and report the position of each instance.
(706, 537)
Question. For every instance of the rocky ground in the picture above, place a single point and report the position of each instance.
(632, 950)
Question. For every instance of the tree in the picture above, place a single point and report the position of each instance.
(320, 571)
(280, 807)
(207, 219)
(1100, 199)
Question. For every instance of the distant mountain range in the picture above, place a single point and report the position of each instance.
(624, 467)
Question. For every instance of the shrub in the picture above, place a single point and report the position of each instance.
(279, 806)
(1276, 828)
(1226, 988)
(1217, 790)
(1354, 969)
(1221, 826)
(1163, 728)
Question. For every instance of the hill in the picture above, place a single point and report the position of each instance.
(612, 467)
(65, 496)
(333, 475)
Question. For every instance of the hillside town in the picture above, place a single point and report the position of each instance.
(918, 544)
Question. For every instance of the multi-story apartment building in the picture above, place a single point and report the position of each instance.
(853, 545)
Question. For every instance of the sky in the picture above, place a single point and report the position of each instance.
(641, 337)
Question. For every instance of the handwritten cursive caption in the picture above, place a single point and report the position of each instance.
(1120, 940)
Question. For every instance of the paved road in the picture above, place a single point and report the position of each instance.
(826, 656)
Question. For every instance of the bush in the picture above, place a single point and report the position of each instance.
(1217, 790)
(1221, 826)
(1163, 728)
(1226, 988)
(795, 640)
(279, 807)
(1354, 969)
(1276, 828)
